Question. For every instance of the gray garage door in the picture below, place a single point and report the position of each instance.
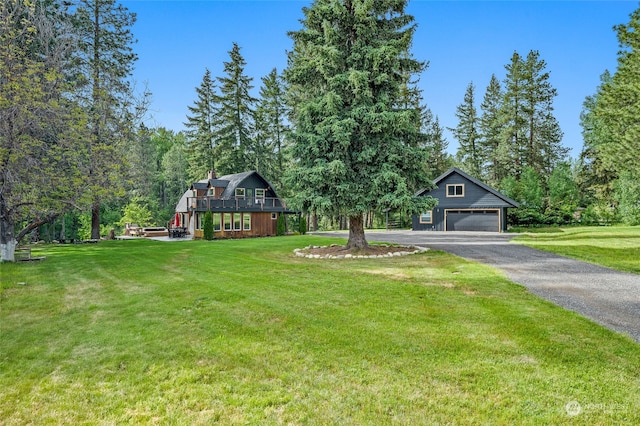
(473, 220)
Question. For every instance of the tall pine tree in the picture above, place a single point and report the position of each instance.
(492, 144)
(235, 150)
(512, 117)
(106, 62)
(355, 149)
(438, 159)
(271, 129)
(201, 127)
(468, 135)
(617, 109)
(597, 175)
(530, 132)
(543, 149)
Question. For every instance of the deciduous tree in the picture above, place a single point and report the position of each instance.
(42, 154)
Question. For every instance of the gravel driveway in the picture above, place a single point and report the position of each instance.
(608, 297)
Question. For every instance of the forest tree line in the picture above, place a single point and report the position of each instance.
(76, 158)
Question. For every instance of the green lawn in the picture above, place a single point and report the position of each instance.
(616, 247)
(244, 332)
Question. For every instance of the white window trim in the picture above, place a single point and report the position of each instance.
(242, 193)
(430, 217)
(244, 222)
(239, 222)
(219, 222)
(227, 225)
(454, 191)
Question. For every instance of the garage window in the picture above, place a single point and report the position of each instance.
(455, 190)
(426, 217)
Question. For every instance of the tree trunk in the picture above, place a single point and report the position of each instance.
(8, 241)
(62, 229)
(95, 221)
(357, 238)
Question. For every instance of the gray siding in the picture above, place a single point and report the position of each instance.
(475, 197)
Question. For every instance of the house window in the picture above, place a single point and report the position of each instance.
(240, 192)
(246, 222)
(198, 221)
(274, 216)
(227, 221)
(259, 195)
(237, 222)
(455, 190)
(217, 221)
(211, 192)
(426, 217)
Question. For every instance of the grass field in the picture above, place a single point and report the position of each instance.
(616, 247)
(243, 332)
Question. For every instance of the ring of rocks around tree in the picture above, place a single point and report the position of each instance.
(374, 251)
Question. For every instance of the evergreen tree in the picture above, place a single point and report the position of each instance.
(174, 171)
(201, 127)
(468, 135)
(281, 226)
(596, 176)
(492, 145)
(106, 61)
(144, 172)
(235, 150)
(617, 109)
(435, 145)
(512, 116)
(355, 148)
(271, 128)
(530, 131)
(207, 226)
(543, 148)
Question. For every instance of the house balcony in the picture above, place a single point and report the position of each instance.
(211, 203)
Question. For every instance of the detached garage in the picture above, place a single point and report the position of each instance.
(464, 204)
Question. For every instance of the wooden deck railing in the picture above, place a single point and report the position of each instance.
(207, 203)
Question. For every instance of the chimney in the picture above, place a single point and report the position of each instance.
(212, 174)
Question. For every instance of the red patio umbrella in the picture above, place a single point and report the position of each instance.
(177, 221)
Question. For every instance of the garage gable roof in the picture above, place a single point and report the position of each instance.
(482, 185)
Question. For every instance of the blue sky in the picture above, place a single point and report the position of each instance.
(463, 41)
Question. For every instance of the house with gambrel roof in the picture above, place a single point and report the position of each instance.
(242, 205)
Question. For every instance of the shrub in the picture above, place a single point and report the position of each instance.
(302, 226)
(207, 226)
(280, 225)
